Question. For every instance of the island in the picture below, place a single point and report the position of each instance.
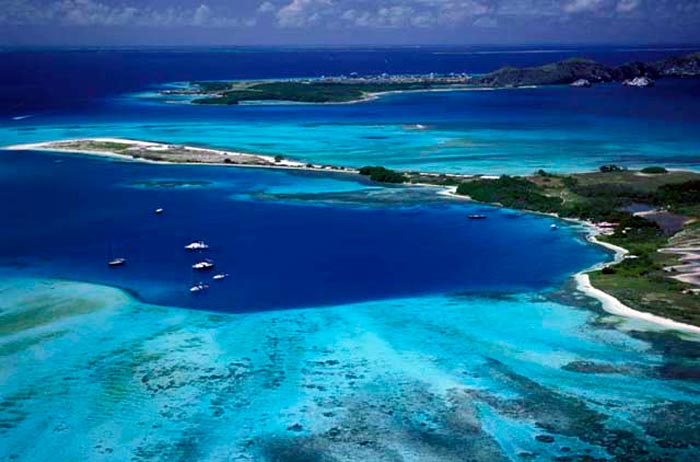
(321, 90)
(576, 72)
(650, 217)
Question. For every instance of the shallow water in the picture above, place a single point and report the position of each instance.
(509, 131)
(435, 378)
(433, 337)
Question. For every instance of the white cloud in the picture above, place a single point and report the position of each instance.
(334, 15)
(201, 15)
(380, 14)
(301, 13)
(627, 6)
(579, 6)
(266, 7)
(101, 13)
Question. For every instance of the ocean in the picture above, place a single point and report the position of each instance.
(109, 93)
(357, 322)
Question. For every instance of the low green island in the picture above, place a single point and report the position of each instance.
(311, 91)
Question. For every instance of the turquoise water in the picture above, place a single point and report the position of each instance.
(507, 131)
(101, 377)
(431, 337)
(483, 369)
(87, 93)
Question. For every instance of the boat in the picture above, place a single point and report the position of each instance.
(203, 265)
(553, 227)
(477, 217)
(197, 245)
(219, 277)
(160, 211)
(201, 287)
(117, 262)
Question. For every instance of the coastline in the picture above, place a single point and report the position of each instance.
(609, 303)
(265, 161)
(378, 95)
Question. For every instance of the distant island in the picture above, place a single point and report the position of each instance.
(650, 217)
(353, 88)
(577, 72)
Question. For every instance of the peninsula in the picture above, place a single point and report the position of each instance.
(653, 214)
(577, 72)
(148, 151)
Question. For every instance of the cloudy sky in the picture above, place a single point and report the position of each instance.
(333, 22)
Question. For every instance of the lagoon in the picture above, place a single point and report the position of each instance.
(358, 322)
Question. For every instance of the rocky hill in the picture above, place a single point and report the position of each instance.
(572, 70)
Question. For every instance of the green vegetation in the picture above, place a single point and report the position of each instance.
(514, 192)
(354, 89)
(571, 70)
(654, 170)
(383, 175)
(640, 281)
(611, 168)
(106, 146)
(299, 91)
(643, 283)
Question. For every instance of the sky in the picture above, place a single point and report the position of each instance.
(346, 22)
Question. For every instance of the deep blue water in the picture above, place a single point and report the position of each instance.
(40, 79)
(430, 359)
(68, 219)
(65, 94)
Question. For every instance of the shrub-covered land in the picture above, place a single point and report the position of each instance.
(383, 175)
(513, 192)
(654, 170)
(640, 281)
(299, 91)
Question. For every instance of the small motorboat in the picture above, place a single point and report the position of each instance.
(219, 277)
(117, 262)
(554, 227)
(201, 287)
(197, 245)
(160, 211)
(203, 265)
(477, 217)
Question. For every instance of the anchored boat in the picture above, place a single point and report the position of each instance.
(197, 245)
(201, 287)
(203, 265)
(117, 262)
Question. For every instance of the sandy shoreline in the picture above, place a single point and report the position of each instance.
(371, 96)
(266, 160)
(609, 303)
